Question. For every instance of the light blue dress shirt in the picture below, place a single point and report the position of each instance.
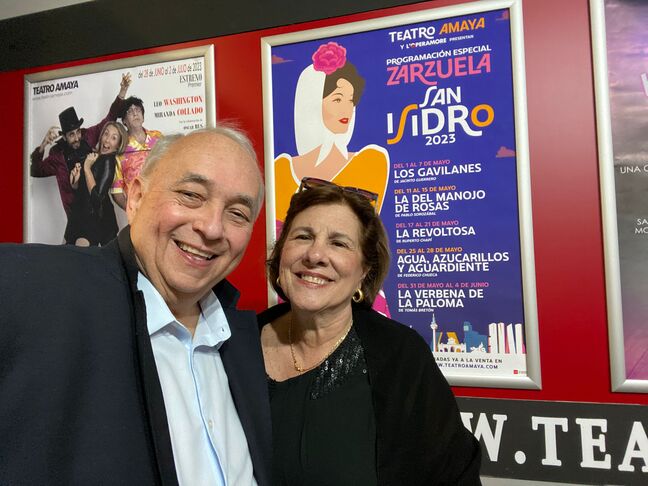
(209, 445)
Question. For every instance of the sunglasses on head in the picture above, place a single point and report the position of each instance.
(312, 182)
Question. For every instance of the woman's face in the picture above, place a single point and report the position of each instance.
(337, 108)
(110, 140)
(321, 261)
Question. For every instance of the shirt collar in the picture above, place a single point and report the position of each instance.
(212, 329)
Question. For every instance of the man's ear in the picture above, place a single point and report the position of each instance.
(134, 199)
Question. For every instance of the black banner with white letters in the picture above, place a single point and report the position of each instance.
(582, 443)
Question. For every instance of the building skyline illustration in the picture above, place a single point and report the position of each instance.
(502, 339)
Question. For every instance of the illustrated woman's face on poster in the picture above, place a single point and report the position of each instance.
(337, 107)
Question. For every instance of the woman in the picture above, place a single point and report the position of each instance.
(356, 397)
(327, 93)
(92, 216)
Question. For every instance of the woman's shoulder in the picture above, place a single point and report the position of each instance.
(394, 351)
(111, 157)
(282, 159)
(104, 162)
(372, 154)
(381, 329)
(372, 150)
(272, 313)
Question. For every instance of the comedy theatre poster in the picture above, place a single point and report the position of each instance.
(427, 111)
(173, 93)
(621, 74)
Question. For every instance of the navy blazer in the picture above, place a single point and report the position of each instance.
(80, 397)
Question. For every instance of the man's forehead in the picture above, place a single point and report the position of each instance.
(216, 183)
(208, 151)
(207, 146)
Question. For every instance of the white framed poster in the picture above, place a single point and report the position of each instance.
(174, 93)
(437, 128)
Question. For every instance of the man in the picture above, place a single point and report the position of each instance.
(140, 143)
(73, 146)
(129, 363)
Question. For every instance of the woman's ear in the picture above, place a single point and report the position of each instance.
(364, 275)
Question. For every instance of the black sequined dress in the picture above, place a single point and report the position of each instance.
(378, 411)
(323, 422)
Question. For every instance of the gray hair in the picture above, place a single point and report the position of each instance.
(232, 132)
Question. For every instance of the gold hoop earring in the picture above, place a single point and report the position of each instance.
(358, 296)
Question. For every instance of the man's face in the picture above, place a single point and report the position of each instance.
(134, 117)
(73, 138)
(191, 218)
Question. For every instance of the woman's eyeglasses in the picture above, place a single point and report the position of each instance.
(312, 182)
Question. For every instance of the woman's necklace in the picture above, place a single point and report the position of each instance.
(298, 368)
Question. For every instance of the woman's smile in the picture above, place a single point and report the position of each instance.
(321, 262)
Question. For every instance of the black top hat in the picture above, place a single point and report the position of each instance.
(69, 120)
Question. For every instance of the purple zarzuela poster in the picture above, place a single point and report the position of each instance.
(424, 117)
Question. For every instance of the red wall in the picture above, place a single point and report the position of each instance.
(564, 179)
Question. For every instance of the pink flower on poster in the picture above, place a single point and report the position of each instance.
(329, 57)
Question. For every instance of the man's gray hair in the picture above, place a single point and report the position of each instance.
(233, 133)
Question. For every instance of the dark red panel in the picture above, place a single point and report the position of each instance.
(564, 178)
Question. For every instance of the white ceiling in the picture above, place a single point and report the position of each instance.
(16, 8)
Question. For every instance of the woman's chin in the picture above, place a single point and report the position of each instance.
(318, 306)
(340, 130)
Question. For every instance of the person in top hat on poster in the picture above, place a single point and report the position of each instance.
(70, 144)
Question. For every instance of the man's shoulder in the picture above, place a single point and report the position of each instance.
(154, 134)
(227, 295)
(37, 262)
(41, 249)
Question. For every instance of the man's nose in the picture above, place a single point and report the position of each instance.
(209, 223)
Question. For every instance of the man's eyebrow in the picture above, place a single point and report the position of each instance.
(244, 199)
(195, 178)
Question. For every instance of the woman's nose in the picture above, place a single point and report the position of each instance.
(315, 254)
